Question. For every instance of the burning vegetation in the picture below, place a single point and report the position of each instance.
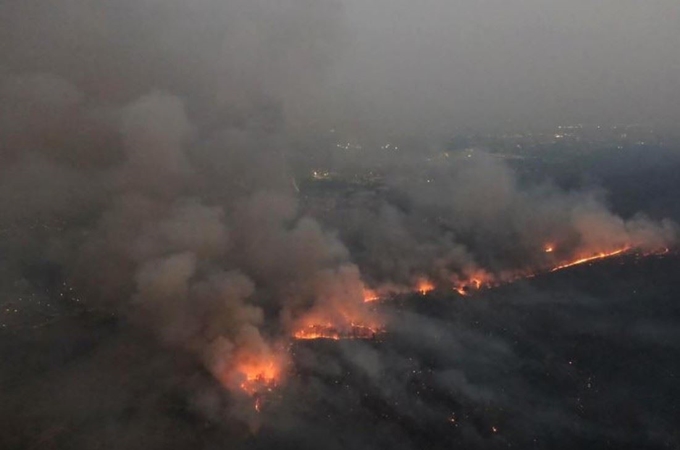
(250, 370)
(480, 279)
(424, 286)
(593, 257)
(357, 322)
(258, 374)
(370, 295)
(173, 193)
(329, 331)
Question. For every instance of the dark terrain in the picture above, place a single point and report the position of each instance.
(583, 358)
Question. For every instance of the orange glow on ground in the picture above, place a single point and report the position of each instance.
(328, 331)
(317, 331)
(255, 371)
(424, 286)
(355, 322)
(477, 280)
(594, 257)
(483, 280)
(370, 295)
(461, 290)
(258, 374)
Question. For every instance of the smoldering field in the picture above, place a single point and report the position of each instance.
(156, 252)
(585, 358)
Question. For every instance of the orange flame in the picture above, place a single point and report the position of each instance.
(593, 257)
(340, 322)
(317, 331)
(461, 290)
(328, 331)
(257, 372)
(424, 286)
(475, 281)
(370, 295)
(254, 371)
(259, 375)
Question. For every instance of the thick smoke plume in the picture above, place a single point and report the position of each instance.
(146, 140)
(143, 151)
(472, 222)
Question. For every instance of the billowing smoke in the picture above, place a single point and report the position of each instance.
(472, 219)
(147, 140)
(143, 151)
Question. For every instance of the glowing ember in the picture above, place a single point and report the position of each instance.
(254, 370)
(481, 279)
(424, 286)
(258, 375)
(340, 317)
(594, 257)
(461, 290)
(259, 378)
(477, 280)
(464, 288)
(317, 331)
(328, 331)
(370, 296)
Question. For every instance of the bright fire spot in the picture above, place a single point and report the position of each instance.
(255, 370)
(461, 290)
(340, 318)
(424, 286)
(329, 331)
(370, 295)
(258, 375)
(594, 257)
(549, 248)
(317, 331)
(476, 281)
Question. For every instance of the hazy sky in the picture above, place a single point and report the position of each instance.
(145, 170)
(396, 65)
(480, 63)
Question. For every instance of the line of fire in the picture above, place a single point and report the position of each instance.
(257, 376)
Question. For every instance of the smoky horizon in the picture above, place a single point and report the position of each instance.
(339, 224)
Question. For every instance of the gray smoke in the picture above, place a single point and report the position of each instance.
(471, 217)
(144, 150)
(147, 140)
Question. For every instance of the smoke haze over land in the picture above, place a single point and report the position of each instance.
(145, 167)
